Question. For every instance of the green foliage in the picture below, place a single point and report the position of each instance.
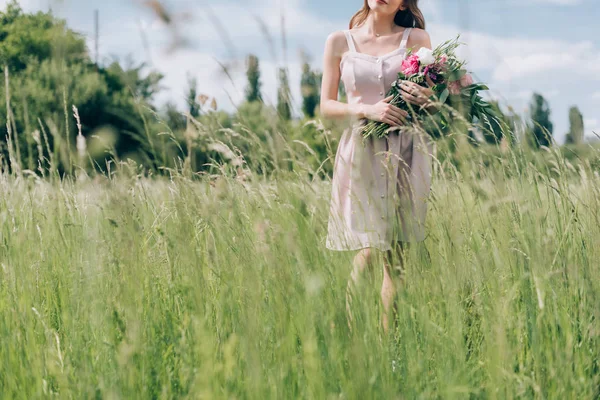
(131, 80)
(310, 86)
(576, 130)
(256, 117)
(501, 126)
(207, 141)
(315, 143)
(173, 118)
(258, 138)
(253, 75)
(50, 71)
(284, 97)
(26, 38)
(192, 97)
(540, 130)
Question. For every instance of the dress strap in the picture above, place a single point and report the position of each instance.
(350, 41)
(405, 36)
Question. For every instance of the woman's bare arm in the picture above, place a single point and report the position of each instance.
(330, 107)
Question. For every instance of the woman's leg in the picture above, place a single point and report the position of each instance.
(364, 260)
(393, 278)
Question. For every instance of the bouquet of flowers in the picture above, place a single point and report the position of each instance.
(453, 84)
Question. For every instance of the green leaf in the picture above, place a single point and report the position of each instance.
(456, 75)
(444, 95)
(439, 87)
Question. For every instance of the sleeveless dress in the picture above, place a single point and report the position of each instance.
(379, 189)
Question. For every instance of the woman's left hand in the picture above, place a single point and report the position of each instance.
(416, 94)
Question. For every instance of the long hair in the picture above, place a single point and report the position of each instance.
(411, 17)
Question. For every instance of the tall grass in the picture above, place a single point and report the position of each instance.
(124, 286)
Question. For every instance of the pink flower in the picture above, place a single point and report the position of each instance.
(443, 59)
(454, 87)
(410, 66)
(466, 80)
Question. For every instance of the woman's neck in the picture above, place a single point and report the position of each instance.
(379, 25)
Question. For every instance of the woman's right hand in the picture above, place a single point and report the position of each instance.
(383, 111)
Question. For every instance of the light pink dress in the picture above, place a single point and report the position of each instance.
(380, 189)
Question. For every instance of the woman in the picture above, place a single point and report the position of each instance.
(379, 188)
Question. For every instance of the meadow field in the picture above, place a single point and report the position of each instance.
(154, 252)
(221, 287)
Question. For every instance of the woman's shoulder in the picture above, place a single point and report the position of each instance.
(419, 38)
(336, 41)
(336, 36)
(419, 35)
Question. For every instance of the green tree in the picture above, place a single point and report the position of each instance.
(253, 76)
(35, 37)
(192, 96)
(174, 119)
(284, 105)
(310, 89)
(50, 70)
(132, 77)
(575, 134)
(260, 142)
(540, 130)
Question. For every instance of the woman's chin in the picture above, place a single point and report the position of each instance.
(382, 8)
(379, 4)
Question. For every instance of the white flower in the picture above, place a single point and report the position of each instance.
(425, 56)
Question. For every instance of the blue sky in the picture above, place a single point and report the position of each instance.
(516, 46)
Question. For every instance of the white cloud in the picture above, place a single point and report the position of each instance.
(203, 60)
(228, 91)
(521, 57)
(580, 60)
